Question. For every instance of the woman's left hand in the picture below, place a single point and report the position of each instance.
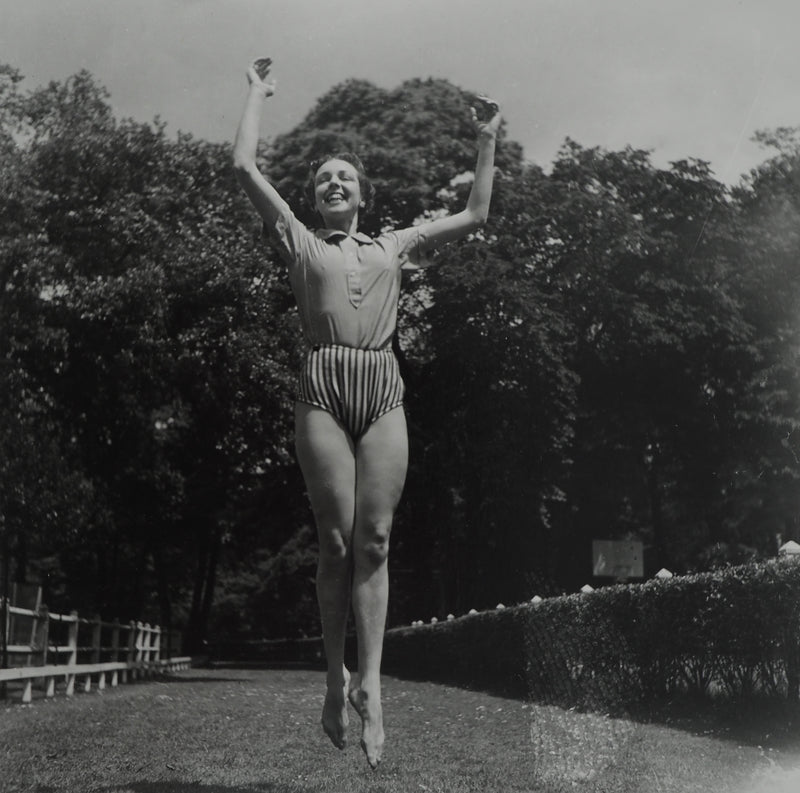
(487, 127)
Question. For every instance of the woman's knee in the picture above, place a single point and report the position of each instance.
(371, 544)
(334, 546)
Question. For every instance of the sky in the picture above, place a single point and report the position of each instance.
(682, 78)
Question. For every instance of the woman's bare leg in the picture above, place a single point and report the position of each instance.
(327, 460)
(381, 464)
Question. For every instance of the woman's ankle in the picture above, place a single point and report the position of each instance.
(337, 677)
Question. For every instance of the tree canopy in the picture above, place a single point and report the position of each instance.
(613, 355)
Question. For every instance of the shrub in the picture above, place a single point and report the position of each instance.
(485, 651)
(728, 634)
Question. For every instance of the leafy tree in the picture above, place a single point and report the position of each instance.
(767, 284)
(642, 259)
(161, 345)
(495, 403)
(41, 490)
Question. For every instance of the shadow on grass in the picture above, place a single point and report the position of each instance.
(189, 787)
(751, 722)
(183, 678)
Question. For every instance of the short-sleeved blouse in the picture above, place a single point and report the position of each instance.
(347, 286)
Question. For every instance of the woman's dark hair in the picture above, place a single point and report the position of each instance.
(367, 188)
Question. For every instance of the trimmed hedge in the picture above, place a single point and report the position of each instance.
(486, 651)
(729, 634)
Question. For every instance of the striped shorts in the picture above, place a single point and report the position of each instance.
(356, 386)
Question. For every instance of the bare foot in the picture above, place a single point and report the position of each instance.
(368, 706)
(334, 712)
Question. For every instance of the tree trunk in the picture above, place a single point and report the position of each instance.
(656, 513)
(210, 583)
(201, 573)
(162, 587)
(21, 559)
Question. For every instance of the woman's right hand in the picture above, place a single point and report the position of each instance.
(489, 126)
(257, 75)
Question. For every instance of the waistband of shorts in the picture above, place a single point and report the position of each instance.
(344, 348)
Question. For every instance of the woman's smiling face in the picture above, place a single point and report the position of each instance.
(337, 191)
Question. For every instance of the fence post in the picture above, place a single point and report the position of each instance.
(115, 650)
(147, 637)
(27, 690)
(49, 683)
(43, 632)
(138, 673)
(97, 648)
(141, 639)
(72, 643)
(130, 659)
(97, 627)
(157, 646)
(168, 647)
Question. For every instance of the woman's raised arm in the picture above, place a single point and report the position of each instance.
(473, 216)
(262, 194)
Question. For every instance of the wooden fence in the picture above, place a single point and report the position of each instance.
(67, 649)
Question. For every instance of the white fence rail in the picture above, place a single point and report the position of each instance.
(68, 649)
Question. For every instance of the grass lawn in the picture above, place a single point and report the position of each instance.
(257, 731)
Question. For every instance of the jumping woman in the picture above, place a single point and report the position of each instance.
(350, 428)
